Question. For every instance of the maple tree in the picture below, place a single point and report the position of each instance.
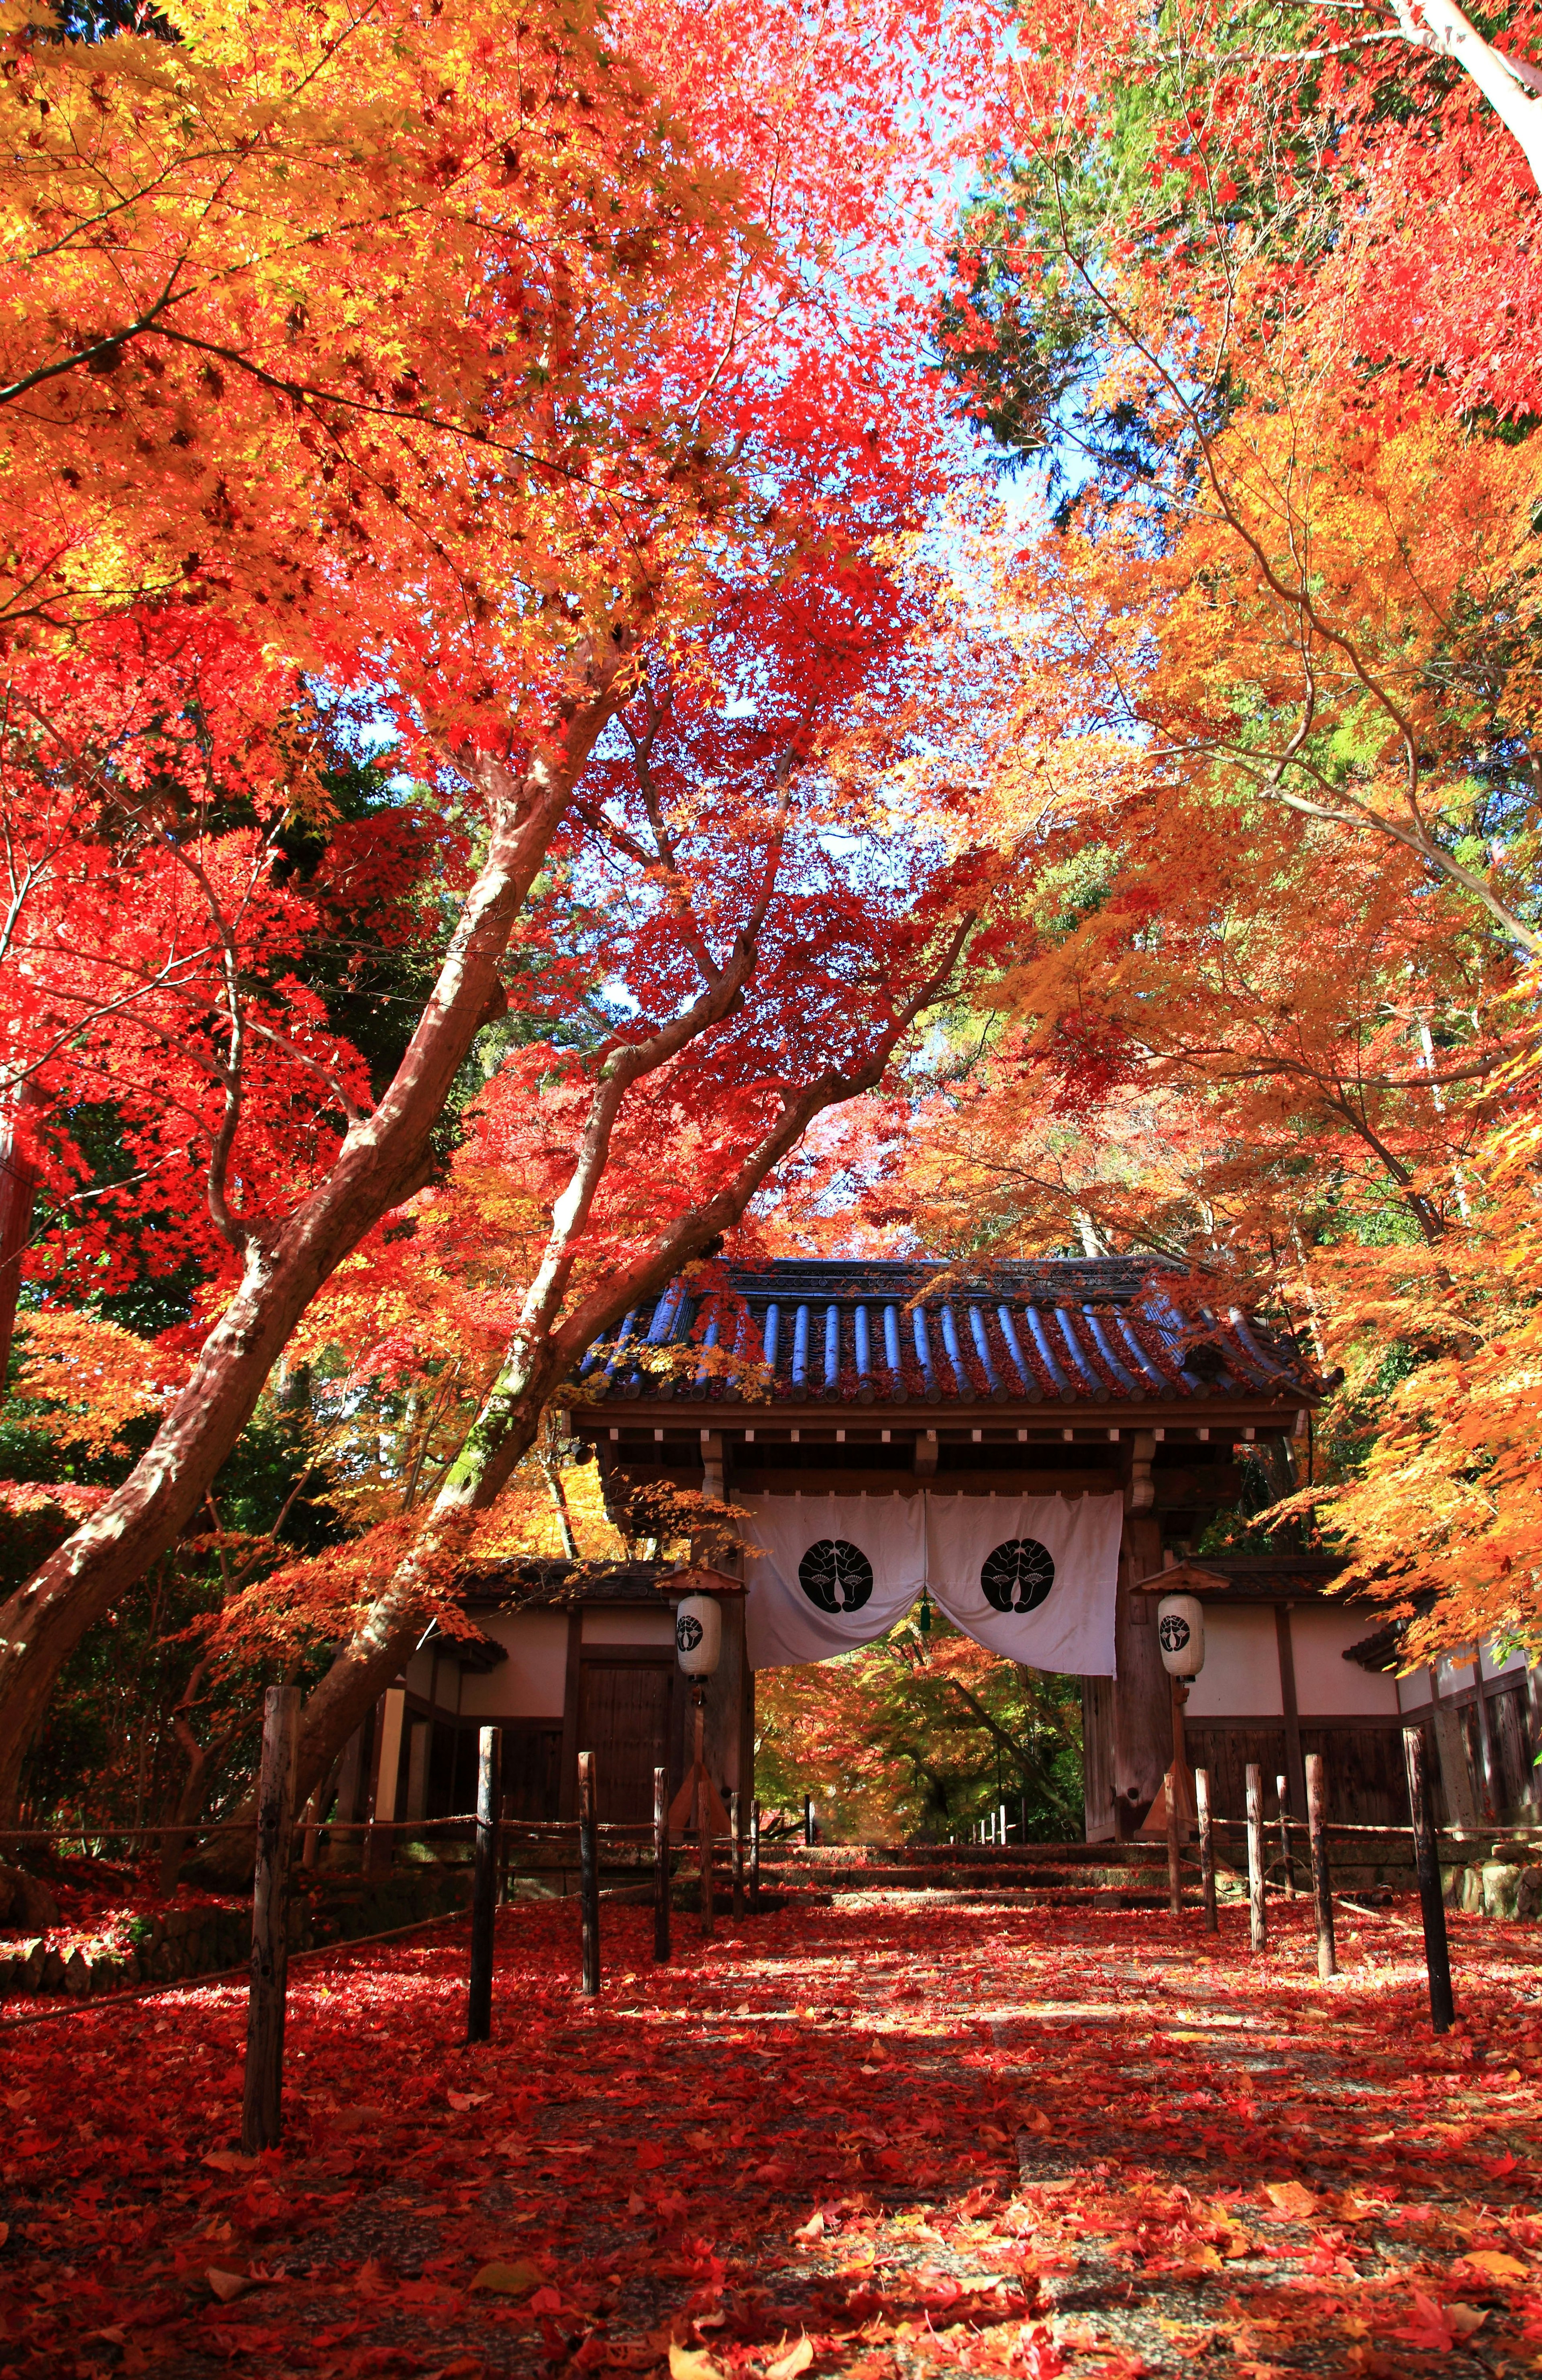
(743, 422)
(921, 1734)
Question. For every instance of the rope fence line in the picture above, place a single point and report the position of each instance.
(113, 2001)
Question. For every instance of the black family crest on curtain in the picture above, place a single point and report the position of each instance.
(1018, 1575)
(1032, 1577)
(835, 1576)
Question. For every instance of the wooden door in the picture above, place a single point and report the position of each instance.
(623, 1719)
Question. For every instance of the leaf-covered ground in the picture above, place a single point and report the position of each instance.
(883, 2139)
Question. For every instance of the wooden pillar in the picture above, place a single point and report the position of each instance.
(567, 1789)
(1494, 1797)
(1097, 1759)
(1142, 1697)
(1531, 1733)
(418, 1734)
(727, 1732)
(1294, 1770)
(262, 2099)
(1451, 1750)
(388, 1773)
(352, 1780)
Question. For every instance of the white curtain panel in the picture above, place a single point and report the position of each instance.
(833, 1572)
(1032, 1577)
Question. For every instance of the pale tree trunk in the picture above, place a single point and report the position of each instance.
(1512, 86)
(285, 1263)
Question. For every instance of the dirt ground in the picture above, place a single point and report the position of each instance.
(887, 2138)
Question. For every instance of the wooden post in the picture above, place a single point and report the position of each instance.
(1436, 1949)
(1254, 1853)
(1207, 1850)
(484, 1888)
(661, 1867)
(736, 1841)
(588, 1873)
(754, 1858)
(1323, 1883)
(262, 2099)
(1281, 1791)
(808, 1817)
(1174, 1879)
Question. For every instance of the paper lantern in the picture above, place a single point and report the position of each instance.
(698, 1634)
(1181, 1635)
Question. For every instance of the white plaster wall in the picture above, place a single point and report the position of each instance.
(418, 1677)
(1325, 1682)
(531, 1682)
(1413, 1692)
(1241, 1676)
(624, 1626)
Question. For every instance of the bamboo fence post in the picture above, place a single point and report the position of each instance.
(1323, 1882)
(754, 1858)
(484, 1888)
(1207, 1850)
(736, 1844)
(262, 2095)
(1255, 1854)
(1437, 1949)
(661, 1867)
(1281, 1795)
(588, 1873)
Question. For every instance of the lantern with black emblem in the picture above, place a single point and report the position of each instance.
(1181, 1635)
(698, 1634)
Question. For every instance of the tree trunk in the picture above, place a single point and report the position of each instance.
(285, 1264)
(1512, 86)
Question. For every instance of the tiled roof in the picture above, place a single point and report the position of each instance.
(1061, 1332)
(1249, 1578)
(537, 1579)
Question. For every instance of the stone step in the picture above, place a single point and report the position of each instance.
(994, 1856)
